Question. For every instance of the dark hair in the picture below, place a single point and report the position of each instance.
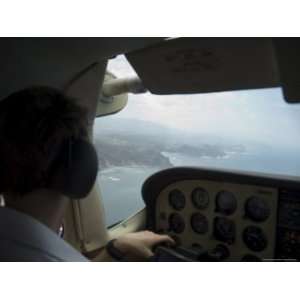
(34, 123)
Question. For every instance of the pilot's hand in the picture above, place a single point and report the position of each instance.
(138, 246)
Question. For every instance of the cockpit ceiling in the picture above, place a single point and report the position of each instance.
(165, 66)
(55, 61)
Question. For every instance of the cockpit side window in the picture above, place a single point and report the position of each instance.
(251, 130)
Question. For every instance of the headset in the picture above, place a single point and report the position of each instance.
(74, 169)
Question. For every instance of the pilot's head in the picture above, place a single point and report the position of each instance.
(43, 145)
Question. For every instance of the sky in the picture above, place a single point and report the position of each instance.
(259, 115)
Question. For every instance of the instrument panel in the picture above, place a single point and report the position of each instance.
(241, 217)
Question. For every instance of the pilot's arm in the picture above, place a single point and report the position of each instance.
(133, 246)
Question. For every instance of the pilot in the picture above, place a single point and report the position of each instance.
(34, 125)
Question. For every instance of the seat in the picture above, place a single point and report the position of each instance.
(23, 238)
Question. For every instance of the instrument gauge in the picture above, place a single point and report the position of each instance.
(254, 238)
(200, 198)
(224, 230)
(176, 223)
(177, 199)
(257, 209)
(199, 223)
(226, 203)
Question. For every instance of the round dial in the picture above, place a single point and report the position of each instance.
(200, 198)
(224, 230)
(176, 223)
(177, 199)
(199, 223)
(257, 209)
(220, 252)
(255, 238)
(225, 203)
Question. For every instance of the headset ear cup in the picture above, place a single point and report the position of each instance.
(76, 169)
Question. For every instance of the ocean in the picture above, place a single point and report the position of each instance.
(121, 191)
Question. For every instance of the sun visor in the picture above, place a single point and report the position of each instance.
(203, 65)
(287, 53)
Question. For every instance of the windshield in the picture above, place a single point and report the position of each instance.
(253, 130)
